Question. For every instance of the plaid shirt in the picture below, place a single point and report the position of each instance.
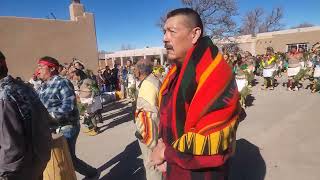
(58, 96)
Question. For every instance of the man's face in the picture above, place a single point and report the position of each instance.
(136, 72)
(225, 57)
(44, 72)
(71, 69)
(128, 63)
(293, 49)
(269, 52)
(75, 78)
(177, 38)
(64, 71)
(77, 65)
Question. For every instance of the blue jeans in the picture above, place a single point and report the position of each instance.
(81, 167)
(106, 88)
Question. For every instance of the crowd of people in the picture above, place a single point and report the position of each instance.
(63, 94)
(186, 113)
(297, 66)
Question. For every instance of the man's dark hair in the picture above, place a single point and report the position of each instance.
(192, 15)
(3, 66)
(144, 66)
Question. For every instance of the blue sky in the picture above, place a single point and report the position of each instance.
(133, 22)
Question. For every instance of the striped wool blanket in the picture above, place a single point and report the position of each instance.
(205, 102)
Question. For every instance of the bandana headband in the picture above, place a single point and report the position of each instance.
(46, 63)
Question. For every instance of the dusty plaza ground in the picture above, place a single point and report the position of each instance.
(277, 140)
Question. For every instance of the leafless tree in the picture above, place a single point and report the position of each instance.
(272, 21)
(255, 21)
(215, 14)
(251, 21)
(303, 25)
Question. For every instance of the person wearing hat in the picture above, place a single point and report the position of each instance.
(25, 139)
(58, 96)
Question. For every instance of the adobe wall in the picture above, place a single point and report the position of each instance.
(25, 40)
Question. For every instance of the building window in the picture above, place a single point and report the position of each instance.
(297, 45)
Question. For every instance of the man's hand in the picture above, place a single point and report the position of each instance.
(157, 154)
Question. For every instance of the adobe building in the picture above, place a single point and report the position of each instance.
(24, 40)
(281, 41)
(120, 57)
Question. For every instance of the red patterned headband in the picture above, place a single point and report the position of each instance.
(46, 63)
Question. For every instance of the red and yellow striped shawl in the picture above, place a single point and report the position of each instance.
(205, 102)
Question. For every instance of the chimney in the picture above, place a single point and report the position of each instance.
(76, 9)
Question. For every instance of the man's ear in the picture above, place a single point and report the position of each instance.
(196, 35)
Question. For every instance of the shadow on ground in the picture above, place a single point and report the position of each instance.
(124, 115)
(249, 100)
(247, 164)
(116, 121)
(115, 105)
(127, 165)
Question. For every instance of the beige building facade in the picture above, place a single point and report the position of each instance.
(24, 40)
(120, 57)
(281, 41)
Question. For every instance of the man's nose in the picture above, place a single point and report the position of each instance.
(165, 38)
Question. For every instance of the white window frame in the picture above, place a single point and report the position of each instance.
(304, 45)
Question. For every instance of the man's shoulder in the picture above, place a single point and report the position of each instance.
(12, 88)
(61, 79)
(152, 79)
(58, 80)
(150, 85)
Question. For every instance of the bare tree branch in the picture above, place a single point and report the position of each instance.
(216, 16)
(272, 22)
(251, 21)
(303, 25)
(254, 21)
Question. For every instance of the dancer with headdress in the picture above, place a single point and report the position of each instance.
(269, 67)
(294, 66)
(249, 62)
(242, 83)
(316, 63)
